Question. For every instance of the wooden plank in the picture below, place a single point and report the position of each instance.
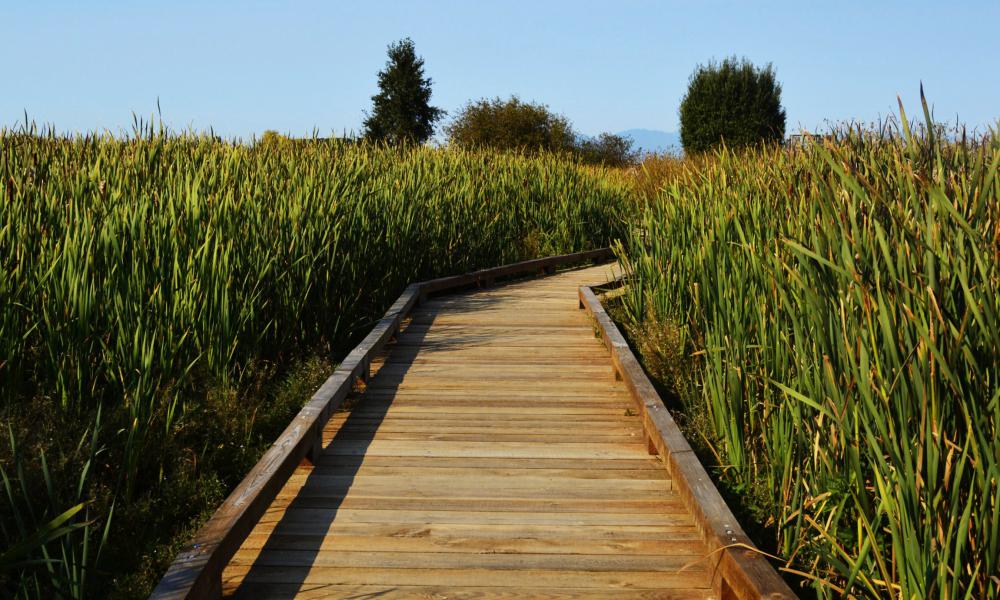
(555, 384)
(480, 427)
(315, 591)
(425, 469)
(334, 517)
(611, 391)
(482, 378)
(464, 395)
(516, 417)
(445, 485)
(521, 371)
(487, 530)
(494, 561)
(580, 450)
(514, 319)
(370, 434)
(402, 425)
(690, 578)
(464, 402)
(511, 340)
(593, 465)
(664, 503)
(511, 303)
(460, 544)
(476, 359)
(502, 315)
(583, 352)
(489, 412)
(396, 424)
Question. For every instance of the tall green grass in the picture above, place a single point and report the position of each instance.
(839, 305)
(135, 274)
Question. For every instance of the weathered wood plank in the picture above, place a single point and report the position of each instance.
(690, 578)
(547, 437)
(197, 569)
(681, 545)
(334, 517)
(603, 503)
(492, 451)
(433, 426)
(475, 485)
(593, 465)
(480, 530)
(417, 592)
(441, 468)
(581, 450)
(495, 561)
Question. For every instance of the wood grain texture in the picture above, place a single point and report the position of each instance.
(492, 454)
(196, 571)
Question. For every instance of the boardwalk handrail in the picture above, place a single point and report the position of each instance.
(196, 572)
(739, 571)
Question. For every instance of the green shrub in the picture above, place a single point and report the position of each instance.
(607, 149)
(510, 125)
(532, 127)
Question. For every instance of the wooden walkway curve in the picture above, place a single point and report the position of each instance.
(493, 455)
(495, 450)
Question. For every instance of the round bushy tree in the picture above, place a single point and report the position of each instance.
(510, 124)
(733, 102)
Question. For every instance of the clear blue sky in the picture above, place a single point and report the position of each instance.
(243, 67)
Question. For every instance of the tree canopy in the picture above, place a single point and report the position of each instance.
(401, 110)
(510, 124)
(733, 102)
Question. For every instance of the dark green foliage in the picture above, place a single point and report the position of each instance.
(401, 111)
(732, 102)
(510, 125)
(532, 127)
(607, 149)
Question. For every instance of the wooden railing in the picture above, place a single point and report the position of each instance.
(197, 570)
(739, 570)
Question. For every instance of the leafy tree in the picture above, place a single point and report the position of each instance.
(272, 139)
(401, 111)
(734, 102)
(510, 124)
(607, 149)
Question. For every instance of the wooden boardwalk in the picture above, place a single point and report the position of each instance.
(492, 454)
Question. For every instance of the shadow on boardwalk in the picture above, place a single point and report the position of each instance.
(302, 543)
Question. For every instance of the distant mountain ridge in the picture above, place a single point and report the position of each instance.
(653, 140)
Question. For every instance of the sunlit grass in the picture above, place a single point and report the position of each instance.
(135, 274)
(840, 303)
